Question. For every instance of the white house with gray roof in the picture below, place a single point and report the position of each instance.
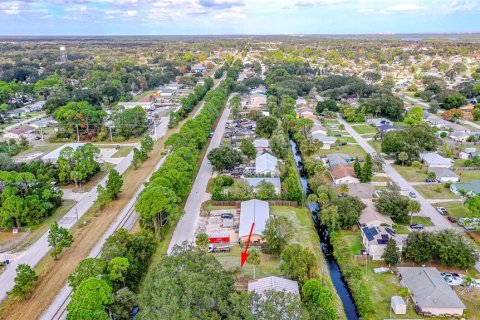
(255, 212)
(273, 283)
(433, 159)
(430, 293)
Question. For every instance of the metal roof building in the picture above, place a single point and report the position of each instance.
(266, 164)
(273, 283)
(430, 293)
(253, 211)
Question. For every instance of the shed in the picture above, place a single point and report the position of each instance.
(398, 305)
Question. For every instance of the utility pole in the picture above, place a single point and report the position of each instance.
(76, 209)
(155, 128)
(78, 135)
(111, 138)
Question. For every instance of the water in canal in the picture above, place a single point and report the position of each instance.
(335, 274)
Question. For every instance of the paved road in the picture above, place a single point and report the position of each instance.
(40, 248)
(186, 227)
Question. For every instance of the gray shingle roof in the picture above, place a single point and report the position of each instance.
(266, 163)
(273, 283)
(429, 289)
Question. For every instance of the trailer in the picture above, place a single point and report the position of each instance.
(222, 237)
(213, 248)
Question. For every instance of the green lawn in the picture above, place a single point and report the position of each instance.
(354, 239)
(143, 95)
(363, 128)
(410, 174)
(122, 152)
(346, 139)
(466, 176)
(435, 191)
(381, 179)
(454, 208)
(377, 145)
(353, 150)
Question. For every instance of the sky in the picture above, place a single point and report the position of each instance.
(192, 17)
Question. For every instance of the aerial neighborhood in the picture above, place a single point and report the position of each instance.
(240, 178)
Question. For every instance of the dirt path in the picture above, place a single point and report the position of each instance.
(53, 274)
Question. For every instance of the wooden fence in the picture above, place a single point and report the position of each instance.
(236, 204)
(466, 169)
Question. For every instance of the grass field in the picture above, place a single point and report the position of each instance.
(455, 208)
(466, 176)
(410, 174)
(377, 145)
(381, 179)
(363, 128)
(122, 152)
(353, 150)
(435, 191)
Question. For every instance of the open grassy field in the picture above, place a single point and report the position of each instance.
(363, 128)
(410, 174)
(353, 150)
(377, 145)
(435, 191)
(467, 176)
(455, 208)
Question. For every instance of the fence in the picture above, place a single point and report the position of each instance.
(466, 169)
(236, 204)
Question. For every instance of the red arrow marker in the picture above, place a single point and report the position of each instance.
(245, 253)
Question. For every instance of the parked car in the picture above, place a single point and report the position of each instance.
(442, 211)
(412, 194)
(431, 180)
(210, 135)
(416, 226)
(342, 144)
(452, 219)
(133, 313)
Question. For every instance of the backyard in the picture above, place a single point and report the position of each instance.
(410, 173)
(363, 128)
(353, 150)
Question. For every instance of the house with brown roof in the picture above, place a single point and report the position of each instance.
(26, 131)
(342, 174)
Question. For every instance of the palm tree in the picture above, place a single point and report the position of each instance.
(413, 207)
(254, 259)
(403, 156)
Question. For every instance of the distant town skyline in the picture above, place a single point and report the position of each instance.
(196, 17)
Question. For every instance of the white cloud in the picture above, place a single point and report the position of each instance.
(308, 3)
(403, 8)
(462, 5)
(232, 14)
(10, 7)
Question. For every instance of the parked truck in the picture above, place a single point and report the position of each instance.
(218, 248)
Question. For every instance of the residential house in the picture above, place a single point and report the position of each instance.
(326, 140)
(273, 283)
(375, 240)
(318, 128)
(254, 182)
(335, 159)
(444, 174)
(388, 127)
(253, 211)
(306, 113)
(266, 164)
(471, 188)
(342, 174)
(431, 295)
(258, 100)
(460, 136)
(370, 217)
(463, 155)
(261, 145)
(260, 90)
(25, 131)
(433, 159)
(198, 68)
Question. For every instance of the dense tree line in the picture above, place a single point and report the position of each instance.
(189, 102)
(447, 247)
(26, 199)
(78, 165)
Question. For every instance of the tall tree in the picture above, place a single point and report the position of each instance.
(254, 258)
(391, 255)
(114, 184)
(278, 233)
(89, 300)
(157, 207)
(24, 281)
(413, 207)
(59, 238)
